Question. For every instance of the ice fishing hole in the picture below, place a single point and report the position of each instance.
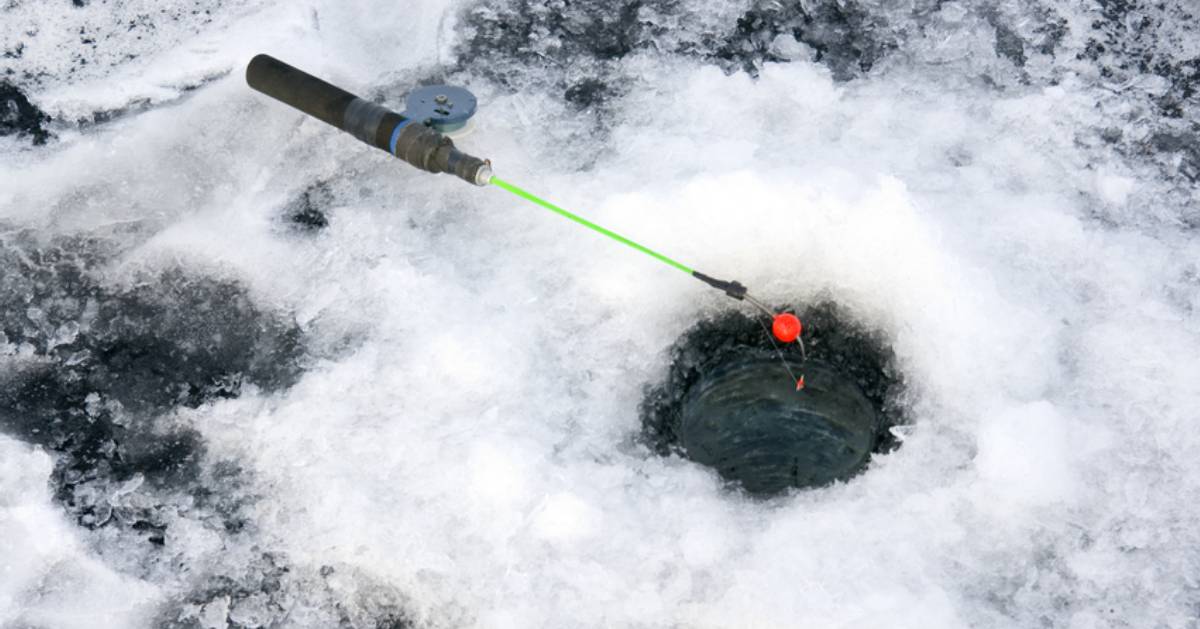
(727, 401)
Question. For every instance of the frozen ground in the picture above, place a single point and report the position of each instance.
(253, 373)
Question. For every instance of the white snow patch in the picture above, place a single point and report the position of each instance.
(48, 577)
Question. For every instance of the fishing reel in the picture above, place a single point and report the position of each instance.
(446, 109)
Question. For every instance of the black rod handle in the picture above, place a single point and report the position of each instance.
(372, 123)
(328, 103)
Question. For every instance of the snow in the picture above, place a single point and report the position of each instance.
(47, 575)
(461, 437)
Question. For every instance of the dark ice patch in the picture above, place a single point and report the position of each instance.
(845, 37)
(1142, 51)
(574, 48)
(1185, 146)
(251, 598)
(1134, 37)
(588, 93)
(576, 52)
(16, 52)
(833, 341)
(570, 50)
(1009, 44)
(308, 210)
(269, 591)
(547, 35)
(97, 368)
(20, 117)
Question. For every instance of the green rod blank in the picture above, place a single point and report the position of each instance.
(586, 223)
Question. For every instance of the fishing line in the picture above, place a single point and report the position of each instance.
(498, 182)
(784, 326)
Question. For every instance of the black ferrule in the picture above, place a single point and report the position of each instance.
(733, 289)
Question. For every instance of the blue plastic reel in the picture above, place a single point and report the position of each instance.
(446, 108)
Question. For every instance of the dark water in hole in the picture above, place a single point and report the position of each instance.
(747, 421)
(727, 402)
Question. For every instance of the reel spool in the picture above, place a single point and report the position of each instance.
(447, 109)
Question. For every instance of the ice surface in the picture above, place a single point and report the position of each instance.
(47, 574)
(458, 450)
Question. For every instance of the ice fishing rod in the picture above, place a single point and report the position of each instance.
(416, 137)
(382, 128)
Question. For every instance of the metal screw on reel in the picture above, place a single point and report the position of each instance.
(445, 108)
